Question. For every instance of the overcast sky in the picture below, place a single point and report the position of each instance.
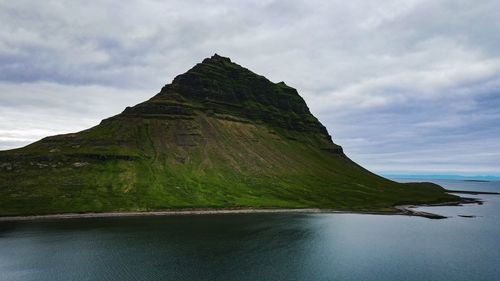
(404, 86)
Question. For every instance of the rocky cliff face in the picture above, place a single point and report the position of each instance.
(218, 86)
(218, 136)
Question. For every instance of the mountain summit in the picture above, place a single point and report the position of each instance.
(219, 86)
(218, 136)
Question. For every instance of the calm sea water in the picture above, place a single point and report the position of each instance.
(261, 246)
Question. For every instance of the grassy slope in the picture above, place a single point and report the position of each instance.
(129, 163)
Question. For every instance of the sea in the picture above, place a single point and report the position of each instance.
(465, 246)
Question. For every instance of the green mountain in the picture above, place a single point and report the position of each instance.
(218, 136)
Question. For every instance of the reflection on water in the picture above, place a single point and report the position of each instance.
(258, 247)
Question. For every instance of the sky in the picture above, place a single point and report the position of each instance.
(405, 86)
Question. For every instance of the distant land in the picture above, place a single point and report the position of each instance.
(443, 176)
(218, 137)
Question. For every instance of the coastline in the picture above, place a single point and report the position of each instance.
(406, 210)
(173, 212)
(398, 210)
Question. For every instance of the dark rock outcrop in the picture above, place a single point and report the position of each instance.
(219, 86)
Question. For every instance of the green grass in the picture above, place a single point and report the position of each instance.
(226, 164)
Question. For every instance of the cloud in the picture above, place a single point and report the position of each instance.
(31, 111)
(402, 85)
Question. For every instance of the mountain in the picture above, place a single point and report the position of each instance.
(218, 136)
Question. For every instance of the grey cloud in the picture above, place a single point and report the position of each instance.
(402, 85)
(35, 110)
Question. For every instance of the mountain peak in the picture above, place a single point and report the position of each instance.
(216, 58)
(220, 86)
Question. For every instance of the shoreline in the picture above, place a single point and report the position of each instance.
(189, 212)
(405, 210)
(172, 212)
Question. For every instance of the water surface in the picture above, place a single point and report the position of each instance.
(261, 246)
